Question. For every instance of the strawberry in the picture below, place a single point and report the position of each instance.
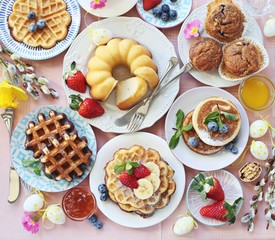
(149, 4)
(141, 172)
(221, 211)
(88, 108)
(75, 79)
(209, 187)
(128, 180)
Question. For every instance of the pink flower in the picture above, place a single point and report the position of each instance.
(192, 29)
(29, 224)
(94, 4)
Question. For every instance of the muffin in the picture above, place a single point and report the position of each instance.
(224, 21)
(241, 58)
(205, 54)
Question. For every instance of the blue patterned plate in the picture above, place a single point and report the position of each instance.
(37, 53)
(18, 151)
(183, 8)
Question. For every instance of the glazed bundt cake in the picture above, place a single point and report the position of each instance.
(136, 58)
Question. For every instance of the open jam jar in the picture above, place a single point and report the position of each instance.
(78, 204)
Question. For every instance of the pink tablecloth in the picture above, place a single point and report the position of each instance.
(11, 214)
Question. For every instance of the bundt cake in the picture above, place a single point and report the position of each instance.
(136, 58)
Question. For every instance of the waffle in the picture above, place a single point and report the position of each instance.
(125, 197)
(55, 141)
(52, 11)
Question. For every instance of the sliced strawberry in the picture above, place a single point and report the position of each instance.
(141, 172)
(149, 4)
(208, 187)
(88, 108)
(75, 79)
(128, 180)
(221, 211)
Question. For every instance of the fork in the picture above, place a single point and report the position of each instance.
(140, 114)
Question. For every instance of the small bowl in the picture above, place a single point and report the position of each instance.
(256, 94)
(79, 204)
(250, 171)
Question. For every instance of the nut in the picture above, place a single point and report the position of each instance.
(250, 172)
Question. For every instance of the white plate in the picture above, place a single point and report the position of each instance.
(18, 151)
(232, 191)
(187, 102)
(38, 53)
(111, 209)
(113, 8)
(183, 8)
(162, 50)
(211, 78)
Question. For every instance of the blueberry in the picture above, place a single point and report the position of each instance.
(32, 27)
(235, 139)
(98, 224)
(102, 188)
(224, 129)
(165, 17)
(229, 146)
(234, 150)
(212, 126)
(41, 23)
(157, 12)
(193, 142)
(165, 8)
(93, 219)
(173, 14)
(173, 1)
(31, 15)
(103, 196)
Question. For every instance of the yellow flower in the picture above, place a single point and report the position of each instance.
(10, 95)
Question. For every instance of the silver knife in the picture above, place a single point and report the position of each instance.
(14, 183)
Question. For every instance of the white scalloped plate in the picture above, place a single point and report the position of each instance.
(38, 53)
(111, 209)
(232, 191)
(211, 78)
(162, 50)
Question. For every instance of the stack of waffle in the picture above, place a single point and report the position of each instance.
(56, 143)
(125, 197)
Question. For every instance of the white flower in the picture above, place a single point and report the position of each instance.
(11, 69)
(20, 67)
(250, 227)
(43, 80)
(268, 215)
(15, 57)
(260, 197)
(54, 93)
(262, 183)
(45, 89)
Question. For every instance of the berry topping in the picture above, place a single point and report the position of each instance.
(223, 129)
(93, 219)
(173, 1)
(193, 142)
(128, 180)
(235, 139)
(31, 15)
(102, 188)
(141, 172)
(41, 23)
(98, 224)
(165, 17)
(157, 12)
(104, 196)
(32, 27)
(212, 126)
(234, 150)
(229, 146)
(149, 4)
(173, 14)
(165, 8)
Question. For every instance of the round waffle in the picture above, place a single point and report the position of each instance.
(214, 104)
(53, 12)
(201, 148)
(124, 196)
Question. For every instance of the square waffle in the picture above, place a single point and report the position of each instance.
(53, 12)
(56, 142)
(124, 196)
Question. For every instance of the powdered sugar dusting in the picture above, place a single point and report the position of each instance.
(205, 137)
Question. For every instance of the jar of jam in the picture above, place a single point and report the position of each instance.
(78, 204)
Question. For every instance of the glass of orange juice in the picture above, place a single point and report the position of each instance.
(257, 93)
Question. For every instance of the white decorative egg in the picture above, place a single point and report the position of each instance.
(258, 129)
(101, 36)
(183, 225)
(269, 28)
(259, 150)
(56, 215)
(33, 203)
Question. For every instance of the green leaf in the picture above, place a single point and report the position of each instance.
(37, 171)
(197, 187)
(73, 65)
(210, 181)
(134, 164)
(186, 128)
(128, 166)
(48, 175)
(174, 140)
(211, 117)
(130, 171)
(180, 117)
(29, 163)
(229, 116)
(220, 124)
(74, 105)
(201, 177)
(119, 168)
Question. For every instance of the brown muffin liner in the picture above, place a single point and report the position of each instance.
(264, 64)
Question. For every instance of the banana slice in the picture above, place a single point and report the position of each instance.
(145, 189)
(154, 168)
(154, 179)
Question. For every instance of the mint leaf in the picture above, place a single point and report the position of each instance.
(174, 139)
(180, 117)
(48, 175)
(128, 166)
(134, 164)
(211, 117)
(119, 167)
(186, 128)
(220, 124)
(229, 116)
(37, 171)
(27, 163)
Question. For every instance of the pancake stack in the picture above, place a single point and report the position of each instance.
(211, 142)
